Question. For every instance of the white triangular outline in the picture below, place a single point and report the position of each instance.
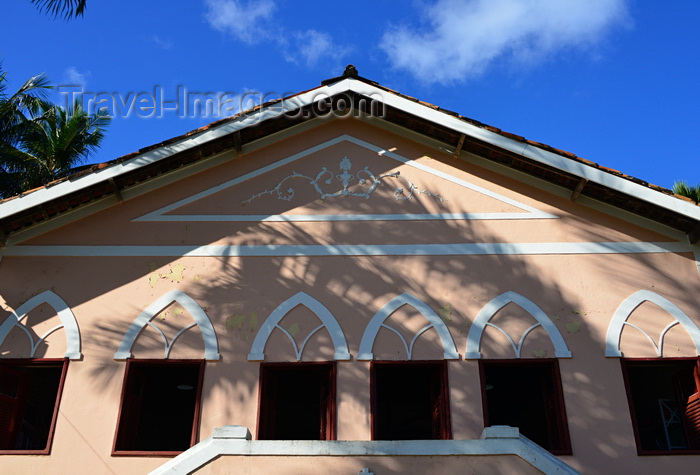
(159, 214)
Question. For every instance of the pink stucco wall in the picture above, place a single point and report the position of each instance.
(578, 292)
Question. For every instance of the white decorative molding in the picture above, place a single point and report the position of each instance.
(346, 178)
(236, 440)
(257, 351)
(529, 212)
(625, 310)
(273, 250)
(68, 323)
(201, 319)
(490, 309)
(434, 321)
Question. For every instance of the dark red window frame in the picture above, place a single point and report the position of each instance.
(437, 393)
(556, 425)
(126, 410)
(36, 362)
(690, 413)
(320, 380)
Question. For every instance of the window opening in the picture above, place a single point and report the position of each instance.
(664, 404)
(410, 401)
(528, 395)
(160, 406)
(30, 392)
(297, 401)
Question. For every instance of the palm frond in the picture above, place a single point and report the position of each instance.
(684, 189)
(66, 8)
(45, 142)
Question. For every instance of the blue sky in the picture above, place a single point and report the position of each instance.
(612, 81)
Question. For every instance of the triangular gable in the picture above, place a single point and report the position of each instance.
(344, 179)
(244, 131)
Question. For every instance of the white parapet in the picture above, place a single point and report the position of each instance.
(236, 440)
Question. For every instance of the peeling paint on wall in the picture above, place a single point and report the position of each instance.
(176, 310)
(539, 353)
(574, 326)
(445, 313)
(176, 274)
(293, 329)
(467, 324)
(235, 321)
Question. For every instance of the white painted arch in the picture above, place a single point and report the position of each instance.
(68, 323)
(434, 321)
(201, 319)
(257, 351)
(490, 309)
(625, 310)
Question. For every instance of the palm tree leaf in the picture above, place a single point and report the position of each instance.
(66, 8)
(41, 141)
(684, 189)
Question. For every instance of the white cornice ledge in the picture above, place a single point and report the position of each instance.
(235, 440)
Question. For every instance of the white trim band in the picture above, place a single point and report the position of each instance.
(286, 250)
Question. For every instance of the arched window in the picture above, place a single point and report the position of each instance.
(68, 323)
(31, 387)
(297, 400)
(328, 321)
(211, 345)
(490, 309)
(160, 403)
(434, 321)
(663, 393)
(625, 310)
(410, 399)
(523, 392)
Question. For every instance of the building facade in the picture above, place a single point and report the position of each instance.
(358, 282)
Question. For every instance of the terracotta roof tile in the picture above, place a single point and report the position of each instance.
(610, 170)
(587, 162)
(512, 136)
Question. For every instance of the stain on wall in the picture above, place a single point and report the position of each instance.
(573, 326)
(175, 274)
(445, 313)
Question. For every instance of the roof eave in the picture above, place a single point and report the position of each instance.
(360, 86)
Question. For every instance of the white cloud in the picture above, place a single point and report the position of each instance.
(247, 21)
(162, 43)
(311, 47)
(75, 78)
(466, 36)
(251, 22)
